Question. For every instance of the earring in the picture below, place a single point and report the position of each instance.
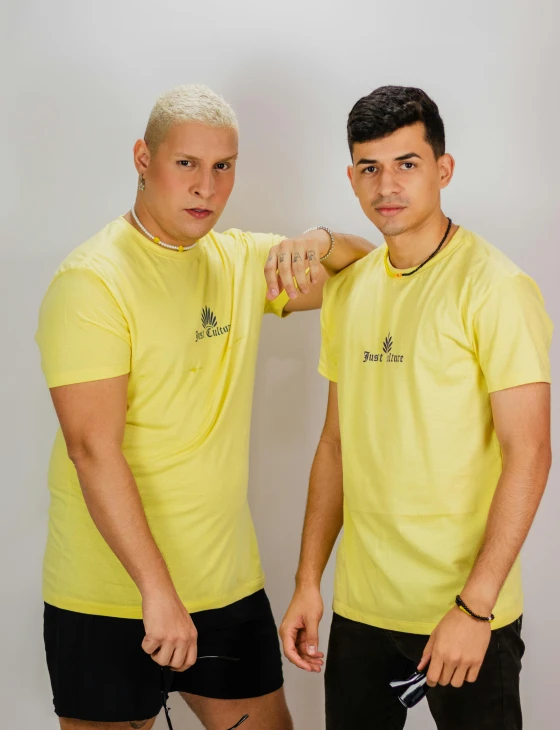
(142, 183)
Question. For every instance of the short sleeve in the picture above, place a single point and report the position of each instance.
(82, 334)
(262, 243)
(513, 334)
(328, 359)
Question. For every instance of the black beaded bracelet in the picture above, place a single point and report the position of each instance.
(463, 606)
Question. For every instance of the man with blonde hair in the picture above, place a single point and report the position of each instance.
(148, 335)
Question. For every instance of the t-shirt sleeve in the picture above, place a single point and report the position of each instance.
(262, 243)
(82, 334)
(512, 334)
(328, 359)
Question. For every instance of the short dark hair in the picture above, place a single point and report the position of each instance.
(389, 108)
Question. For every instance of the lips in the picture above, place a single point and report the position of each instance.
(388, 211)
(199, 213)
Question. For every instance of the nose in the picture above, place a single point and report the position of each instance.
(387, 183)
(203, 186)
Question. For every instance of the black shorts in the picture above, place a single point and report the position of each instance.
(362, 660)
(99, 671)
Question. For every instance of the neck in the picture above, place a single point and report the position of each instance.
(153, 227)
(413, 247)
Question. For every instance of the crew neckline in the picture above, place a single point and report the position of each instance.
(398, 274)
(155, 248)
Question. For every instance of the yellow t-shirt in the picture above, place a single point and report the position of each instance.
(185, 327)
(415, 360)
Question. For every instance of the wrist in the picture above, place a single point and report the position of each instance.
(478, 601)
(322, 238)
(308, 582)
(156, 586)
(325, 243)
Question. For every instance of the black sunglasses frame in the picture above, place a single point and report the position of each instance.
(166, 686)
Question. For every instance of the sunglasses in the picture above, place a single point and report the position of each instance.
(167, 679)
(413, 689)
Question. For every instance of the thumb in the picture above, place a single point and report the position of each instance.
(427, 655)
(150, 645)
(312, 635)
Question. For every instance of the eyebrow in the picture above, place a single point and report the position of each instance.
(408, 156)
(186, 156)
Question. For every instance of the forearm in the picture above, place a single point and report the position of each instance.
(346, 250)
(512, 512)
(114, 503)
(323, 517)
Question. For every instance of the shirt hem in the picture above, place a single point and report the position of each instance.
(412, 627)
(518, 380)
(135, 612)
(327, 373)
(86, 376)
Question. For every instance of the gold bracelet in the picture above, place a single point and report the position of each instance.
(328, 230)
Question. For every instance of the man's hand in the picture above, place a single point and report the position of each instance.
(291, 259)
(456, 649)
(171, 635)
(300, 630)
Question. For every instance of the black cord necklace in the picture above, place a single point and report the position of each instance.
(438, 249)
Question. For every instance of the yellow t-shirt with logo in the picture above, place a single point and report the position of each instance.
(185, 327)
(416, 359)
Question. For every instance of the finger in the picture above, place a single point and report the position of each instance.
(472, 674)
(313, 662)
(447, 673)
(427, 655)
(434, 672)
(299, 270)
(295, 658)
(179, 657)
(290, 650)
(459, 676)
(192, 654)
(285, 273)
(312, 638)
(316, 668)
(302, 649)
(190, 659)
(314, 265)
(162, 656)
(150, 645)
(270, 274)
(316, 658)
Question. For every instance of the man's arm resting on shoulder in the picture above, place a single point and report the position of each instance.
(298, 260)
(522, 422)
(92, 417)
(323, 522)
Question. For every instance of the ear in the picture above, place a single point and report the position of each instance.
(350, 173)
(446, 165)
(142, 157)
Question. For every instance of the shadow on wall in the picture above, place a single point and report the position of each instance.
(293, 151)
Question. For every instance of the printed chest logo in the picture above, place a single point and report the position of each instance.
(210, 325)
(386, 356)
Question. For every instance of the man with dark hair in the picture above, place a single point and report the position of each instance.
(436, 348)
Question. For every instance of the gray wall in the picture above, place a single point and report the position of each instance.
(78, 82)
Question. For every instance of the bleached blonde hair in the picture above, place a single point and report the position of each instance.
(187, 103)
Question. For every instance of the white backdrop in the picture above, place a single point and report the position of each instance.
(78, 81)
